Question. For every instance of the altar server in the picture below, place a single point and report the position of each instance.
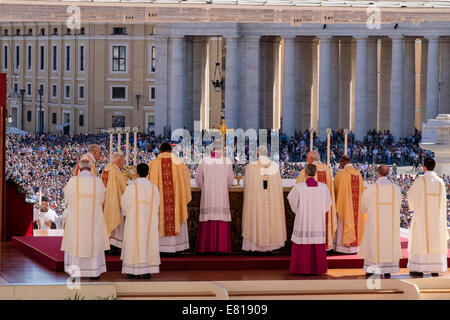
(427, 244)
(380, 246)
(173, 179)
(140, 205)
(323, 175)
(115, 182)
(263, 217)
(213, 176)
(348, 188)
(85, 238)
(310, 201)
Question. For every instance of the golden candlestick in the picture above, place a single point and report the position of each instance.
(119, 131)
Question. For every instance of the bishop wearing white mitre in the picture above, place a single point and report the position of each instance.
(140, 206)
(380, 246)
(427, 246)
(85, 238)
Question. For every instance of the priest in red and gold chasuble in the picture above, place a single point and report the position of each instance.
(349, 186)
(172, 177)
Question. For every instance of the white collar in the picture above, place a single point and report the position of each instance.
(85, 173)
(142, 180)
(383, 180)
(348, 164)
(430, 173)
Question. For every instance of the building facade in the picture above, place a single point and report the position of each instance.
(158, 76)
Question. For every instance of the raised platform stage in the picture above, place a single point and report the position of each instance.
(46, 250)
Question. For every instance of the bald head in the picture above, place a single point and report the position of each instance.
(383, 170)
(117, 159)
(312, 156)
(95, 150)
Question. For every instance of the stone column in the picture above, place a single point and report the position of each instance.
(251, 86)
(334, 87)
(444, 99)
(324, 86)
(361, 83)
(409, 86)
(232, 82)
(385, 84)
(189, 121)
(288, 124)
(372, 84)
(345, 77)
(161, 77)
(423, 81)
(396, 125)
(433, 78)
(177, 84)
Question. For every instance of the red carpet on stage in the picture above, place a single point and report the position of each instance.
(46, 250)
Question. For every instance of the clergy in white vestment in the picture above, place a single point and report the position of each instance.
(310, 201)
(93, 155)
(213, 176)
(140, 205)
(263, 217)
(380, 245)
(44, 217)
(85, 238)
(427, 246)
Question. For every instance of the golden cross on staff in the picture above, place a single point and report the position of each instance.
(223, 131)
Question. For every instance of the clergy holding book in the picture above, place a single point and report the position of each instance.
(380, 246)
(140, 205)
(85, 238)
(263, 217)
(310, 201)
(427, 246)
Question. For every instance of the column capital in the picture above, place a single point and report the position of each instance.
(252, 37)
(288, 37)
(432, 38)
(396, 37)
(325, 38)
(361, 37)
(232, 37)
(177, 38)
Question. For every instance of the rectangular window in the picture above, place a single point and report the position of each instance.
(81, 58)
(29, 57)
(81, 120)
(5, 57)
(42, 33)
(41, 57)
(30, 32)
(81, 92)
(153, 62)
(54, 58)
(55, 31)
(17, 57)
(17, 32)
(118, 93)
(119, 31)
(82, 32)
(54, 118)
(41, 86)
(67, 92)
(54, 91)
(152, 93)
(68, 58)
(29, 116)
(119, 58)
(16, 87)
(5, 32)
(28, 89)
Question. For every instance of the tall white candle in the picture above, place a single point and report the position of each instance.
(311, 139)
(110, 145)
(135, 147)
(127, 138)
(119, 131)
(328, 145)
(345, 139)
